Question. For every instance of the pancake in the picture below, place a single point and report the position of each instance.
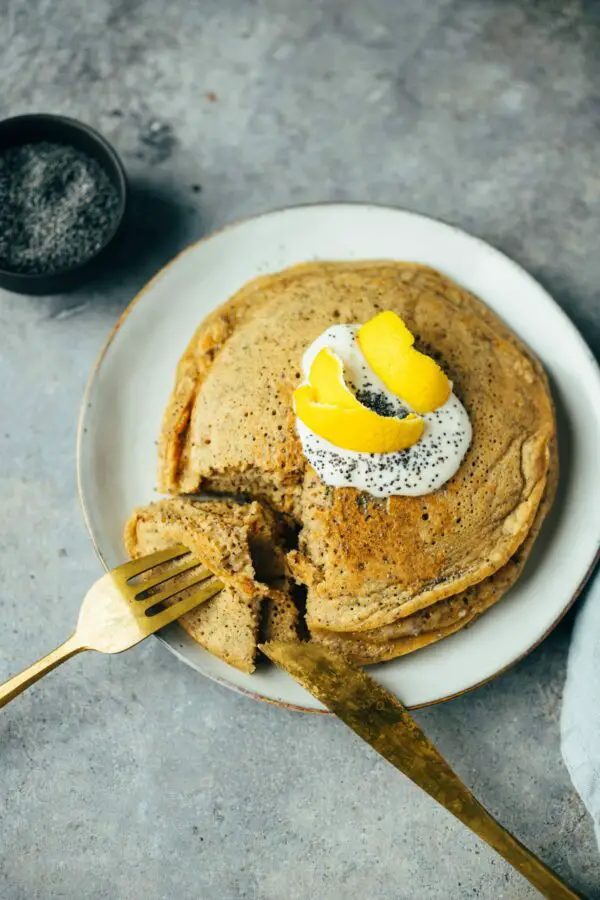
(229, 428)
(447, 616)
(280, 614)
(224, 536)
(470, 603)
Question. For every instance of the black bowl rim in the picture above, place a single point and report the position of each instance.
(107, 147)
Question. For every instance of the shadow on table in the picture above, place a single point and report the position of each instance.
(158, 225)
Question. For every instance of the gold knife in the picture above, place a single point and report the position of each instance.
(381, 720)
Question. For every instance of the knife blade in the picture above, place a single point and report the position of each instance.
(383, 722)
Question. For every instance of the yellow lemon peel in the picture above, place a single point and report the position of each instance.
(327, 378)
(387, 345)
(331, 410)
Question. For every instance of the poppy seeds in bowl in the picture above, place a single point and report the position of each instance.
(58, 207)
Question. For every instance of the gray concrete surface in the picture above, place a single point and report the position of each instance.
(131, 777)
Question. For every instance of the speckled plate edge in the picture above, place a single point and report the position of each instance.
(140, 295)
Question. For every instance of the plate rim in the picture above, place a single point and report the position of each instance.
(281, 704)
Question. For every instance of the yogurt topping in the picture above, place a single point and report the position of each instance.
(420, 469)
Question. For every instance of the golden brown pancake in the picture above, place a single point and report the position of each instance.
(226, 537)
(447, 616)
(230, 427)
(280, 614)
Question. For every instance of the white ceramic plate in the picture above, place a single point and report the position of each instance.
(130, 385)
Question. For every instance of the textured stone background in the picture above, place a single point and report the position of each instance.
(131, 777)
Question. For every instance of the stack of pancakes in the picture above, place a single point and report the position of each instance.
(382, 577)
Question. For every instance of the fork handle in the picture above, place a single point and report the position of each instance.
(18, 683)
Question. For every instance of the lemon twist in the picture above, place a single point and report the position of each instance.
(330, 410)
(387, 345)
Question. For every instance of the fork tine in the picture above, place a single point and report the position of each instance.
(171, 590)
(166, 616)
(134, 567)
(147, 585)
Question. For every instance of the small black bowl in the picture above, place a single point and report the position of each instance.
(32, 129)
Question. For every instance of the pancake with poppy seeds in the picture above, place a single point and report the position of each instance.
(445, 617)
(230, 428)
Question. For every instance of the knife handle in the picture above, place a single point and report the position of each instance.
(480, 821)
(410, 750)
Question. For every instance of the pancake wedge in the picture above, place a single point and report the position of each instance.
(228, 538)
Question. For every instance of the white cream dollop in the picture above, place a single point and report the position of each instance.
(421, 469)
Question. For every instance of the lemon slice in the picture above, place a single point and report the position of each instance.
(331, 410)
(387, 345)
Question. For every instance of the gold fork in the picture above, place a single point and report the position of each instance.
(117, 614)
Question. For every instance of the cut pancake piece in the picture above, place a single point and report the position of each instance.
(447, 616)
(227, 626)
(223, 536)
(280, 614)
